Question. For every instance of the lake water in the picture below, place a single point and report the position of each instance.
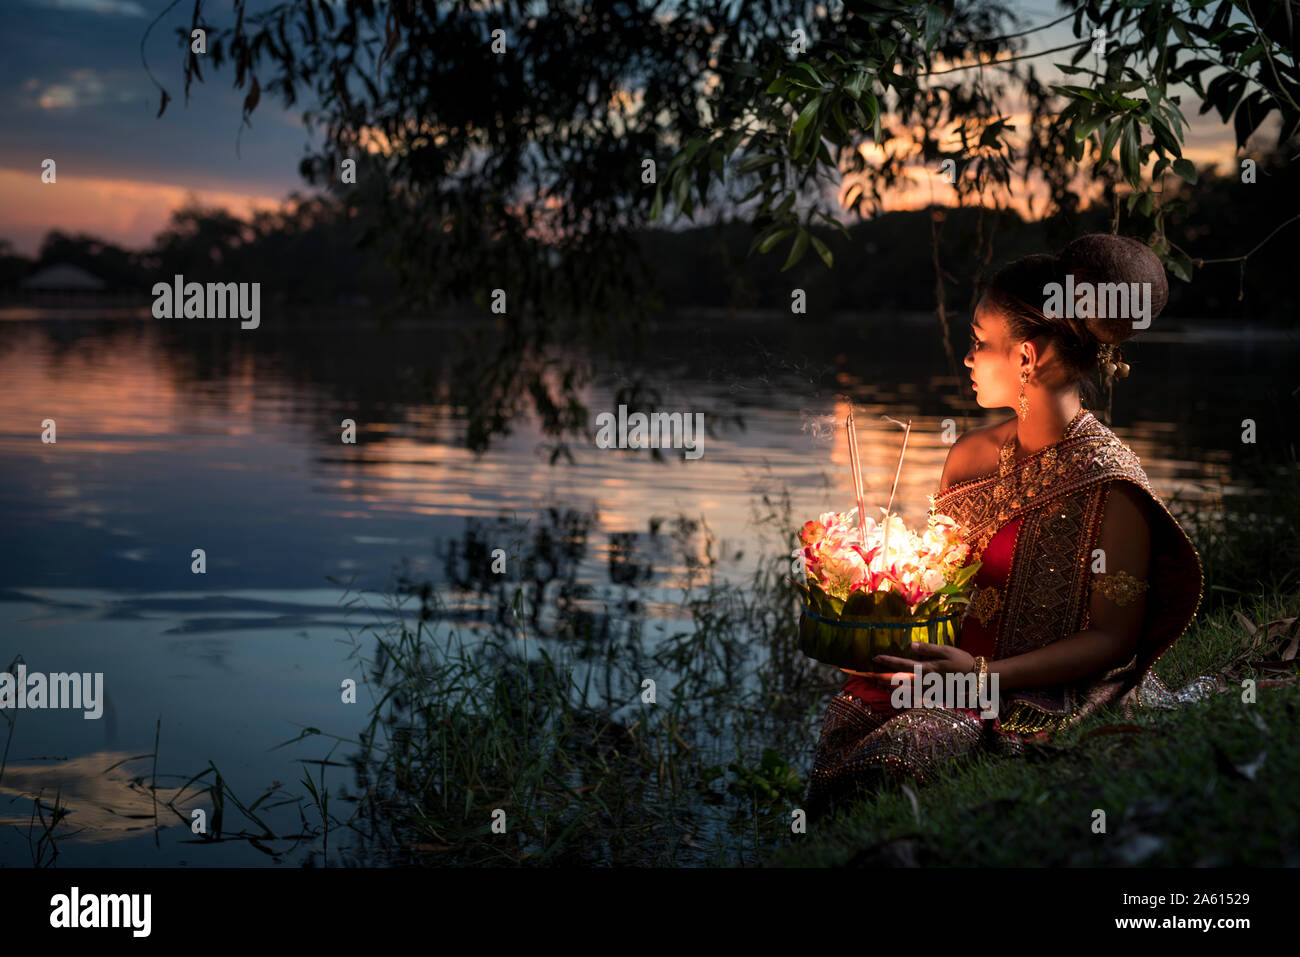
(228, 441)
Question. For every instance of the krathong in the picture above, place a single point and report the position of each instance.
(875, 586)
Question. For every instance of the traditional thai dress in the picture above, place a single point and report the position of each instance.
(1034, 524)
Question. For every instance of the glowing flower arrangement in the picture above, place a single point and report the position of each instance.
(926, 570)
(873, 587)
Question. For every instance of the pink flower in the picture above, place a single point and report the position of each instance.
(870, 578)
(841, 570)
(956, 555)
(909, 586)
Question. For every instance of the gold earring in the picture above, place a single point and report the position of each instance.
(1107, 359)
(1024, 402)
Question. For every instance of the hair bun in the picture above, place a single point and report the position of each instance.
(1102, 258)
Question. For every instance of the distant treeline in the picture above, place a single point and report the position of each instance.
(307, 254)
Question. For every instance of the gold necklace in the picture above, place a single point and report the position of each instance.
(1007, 455)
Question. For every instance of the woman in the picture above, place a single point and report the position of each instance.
(1087, 579)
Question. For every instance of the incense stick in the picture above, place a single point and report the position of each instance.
(856, 465)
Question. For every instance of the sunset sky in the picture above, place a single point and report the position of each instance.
(72, 88)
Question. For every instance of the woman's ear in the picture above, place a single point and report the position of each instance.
(1025, 356)
(1031, 357)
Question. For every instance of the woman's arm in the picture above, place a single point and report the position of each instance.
(1111, 641)
(1125, 541)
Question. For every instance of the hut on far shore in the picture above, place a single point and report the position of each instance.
(61, 285)
(62, 279)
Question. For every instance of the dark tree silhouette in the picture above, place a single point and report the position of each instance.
(518, 148)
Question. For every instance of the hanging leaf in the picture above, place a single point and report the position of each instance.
(1128, 153)
(657, 206)
(757, 162)
(1164, 136)
(772, 240)
(1086, 129)
(681, 189)
(934, 20)
(394, 38)
(1251, 55)
(1186, 169)
(823, 251)
(838, 114)
(816, 79)
(797, 249)
(1250, 113)
(801, 124)
(1109, 140)
(254, 94)
(835, 222)
(1181, 266)
(873, 109)
(778, 87)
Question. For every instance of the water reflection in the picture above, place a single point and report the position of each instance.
(107, 796)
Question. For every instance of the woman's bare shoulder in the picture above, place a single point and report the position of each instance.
(975, 452)
(996, 432)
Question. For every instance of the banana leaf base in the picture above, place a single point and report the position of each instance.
(853, 643)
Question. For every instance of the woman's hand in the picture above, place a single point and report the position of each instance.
(941, 659)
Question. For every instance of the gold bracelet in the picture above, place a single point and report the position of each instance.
(981, 672)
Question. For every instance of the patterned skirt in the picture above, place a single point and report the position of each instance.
(863, 750)
(866, 748)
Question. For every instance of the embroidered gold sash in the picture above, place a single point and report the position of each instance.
(1059, 493)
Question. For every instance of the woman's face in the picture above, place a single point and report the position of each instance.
(993, 359)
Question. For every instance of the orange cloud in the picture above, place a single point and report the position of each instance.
(128, 212)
